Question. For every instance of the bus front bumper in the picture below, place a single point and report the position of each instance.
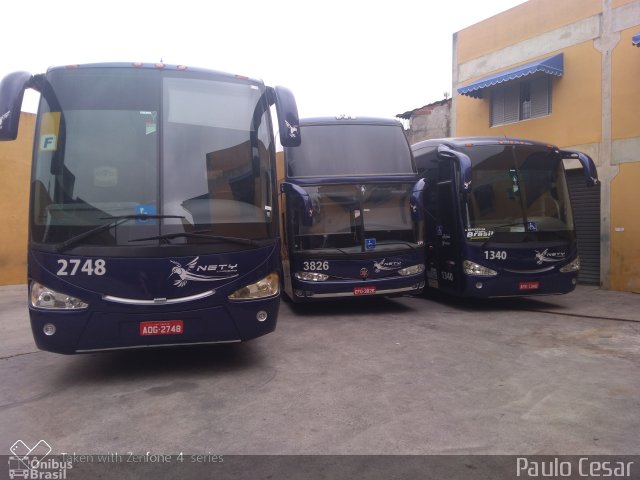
(90, 331)
(520, 285)
(388, 287)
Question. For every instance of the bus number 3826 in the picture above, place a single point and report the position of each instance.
(315, 265)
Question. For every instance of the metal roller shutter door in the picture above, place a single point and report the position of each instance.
(586, 214)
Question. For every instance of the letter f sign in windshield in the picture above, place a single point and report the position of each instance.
(48, 142)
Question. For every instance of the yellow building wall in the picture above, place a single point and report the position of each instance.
(625, 89)
(521, 23)
(280, 173)
(15, 172)
(620, 3)
(625, 229)
(625, 196)
(575, 117)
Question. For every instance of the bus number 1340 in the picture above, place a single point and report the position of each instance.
(495, 254)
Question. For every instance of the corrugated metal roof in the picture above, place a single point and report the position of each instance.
(407, 115)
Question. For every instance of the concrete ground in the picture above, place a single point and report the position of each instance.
(426, 375)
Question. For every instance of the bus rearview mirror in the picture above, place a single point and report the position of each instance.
(12, 89)
(588, 166)
(416, 200)
(288, 120)
(307, 206)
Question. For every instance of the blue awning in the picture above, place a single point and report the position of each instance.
(550, 66)
(636, 39)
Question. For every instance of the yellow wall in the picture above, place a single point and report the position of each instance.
(575, 111)
(625, 229)
(625, 196)
(15, 171)
(520, 23)
(625, 89)
(281, 205)
(620, 3)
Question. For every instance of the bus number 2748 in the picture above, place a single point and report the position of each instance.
(89, 267)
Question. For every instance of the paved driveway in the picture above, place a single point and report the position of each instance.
(401, 376)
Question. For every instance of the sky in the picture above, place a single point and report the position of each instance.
(357, 57)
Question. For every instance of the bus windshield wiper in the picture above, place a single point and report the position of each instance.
(413, 246)
(509, 225)
(202, 234)
(114, 222)
(337, 249)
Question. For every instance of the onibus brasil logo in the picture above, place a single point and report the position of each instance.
(32, 462)
(190, 272)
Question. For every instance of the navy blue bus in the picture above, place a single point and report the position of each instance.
(153, 208)
(351, 223)
(498, 216)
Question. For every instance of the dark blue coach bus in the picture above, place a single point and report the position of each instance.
(153, 209)
(498, 216)
(351, 223)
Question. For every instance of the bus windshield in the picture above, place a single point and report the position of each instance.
(181, 157)
(349, 150)
(517, 188)
(345, 216)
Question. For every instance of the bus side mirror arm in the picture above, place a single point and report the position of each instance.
(12, 89)
(415, 202)
(588, 167)
(465, 166)
(307, 207)
(288, 120)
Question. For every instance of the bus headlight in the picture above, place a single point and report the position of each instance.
(412, 270)
(47, 298)
(572, 266)
(311, 276)
(472, 268)
(268, 286)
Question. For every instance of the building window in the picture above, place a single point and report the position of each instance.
(516, 101)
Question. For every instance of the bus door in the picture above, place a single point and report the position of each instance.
(447, 237)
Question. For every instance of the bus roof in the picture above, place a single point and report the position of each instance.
(348, 120)
(154, 66)
(460, 142)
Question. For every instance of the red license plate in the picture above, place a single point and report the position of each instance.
(528, 285)
(364, 290)
(164, 327)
